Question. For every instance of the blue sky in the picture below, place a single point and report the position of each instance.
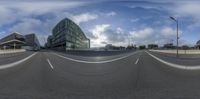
(106, 22)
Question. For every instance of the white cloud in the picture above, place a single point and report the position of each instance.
(103, 34)
(27, 25)
(97, 32)
(168, 32)
(150, 35)
(142, 34)
(84, 17)
(119, 30)
(40, 7)
(135, 20)
(187, 9)
(112, 13)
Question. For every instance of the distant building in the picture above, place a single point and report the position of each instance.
(152, 46)
(14, 40)
(67, 35)
(49, 41)
(198, 44)
(32, 42)
(111, 47)
(131, 47)
(108, 46)
(169, 46)
(19, 41)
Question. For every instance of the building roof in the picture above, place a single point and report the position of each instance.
(13, 36)
(12, 41)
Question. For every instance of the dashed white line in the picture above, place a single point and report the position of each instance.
(92, 62)
(184, 67)
(136, 62)
(50, 64)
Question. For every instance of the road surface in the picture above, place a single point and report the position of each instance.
(136, 75)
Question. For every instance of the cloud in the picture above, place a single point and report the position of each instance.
(142, 34)
(103, 34)
(98, 35)
(40, 7)
(112, 13)
(168, 32)
(135, 20)
(187, 10)
(150, 35)
(84, 17)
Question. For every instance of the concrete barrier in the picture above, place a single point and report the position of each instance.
(179, 51)
(11, 51)
(96, 53)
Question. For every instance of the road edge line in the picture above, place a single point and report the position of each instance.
(184, 67)
(17, 62)
(99, 62)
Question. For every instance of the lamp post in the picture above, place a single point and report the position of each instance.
(176, 20)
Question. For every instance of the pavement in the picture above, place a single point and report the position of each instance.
(135, 75)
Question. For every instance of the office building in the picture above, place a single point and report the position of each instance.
(67, 35)
(19, 41)
(12, 41)
(32, 42)
(49, 41)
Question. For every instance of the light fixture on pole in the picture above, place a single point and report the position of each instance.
(176, 20)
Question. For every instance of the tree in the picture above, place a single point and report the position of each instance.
(142, 47)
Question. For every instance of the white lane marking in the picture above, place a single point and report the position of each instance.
(136, 62)
(16, 63)
(50, 64)
(184, 67)
(90, 62)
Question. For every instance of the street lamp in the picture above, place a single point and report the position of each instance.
(176, 20)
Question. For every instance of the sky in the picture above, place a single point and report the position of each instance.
(106, 22)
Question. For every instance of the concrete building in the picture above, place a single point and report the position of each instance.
(19, 41)
(67, 35)
(12, 41)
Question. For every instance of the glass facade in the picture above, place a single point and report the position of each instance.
(68, 35)
(32, 42)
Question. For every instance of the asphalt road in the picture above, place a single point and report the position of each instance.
(136, 75)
